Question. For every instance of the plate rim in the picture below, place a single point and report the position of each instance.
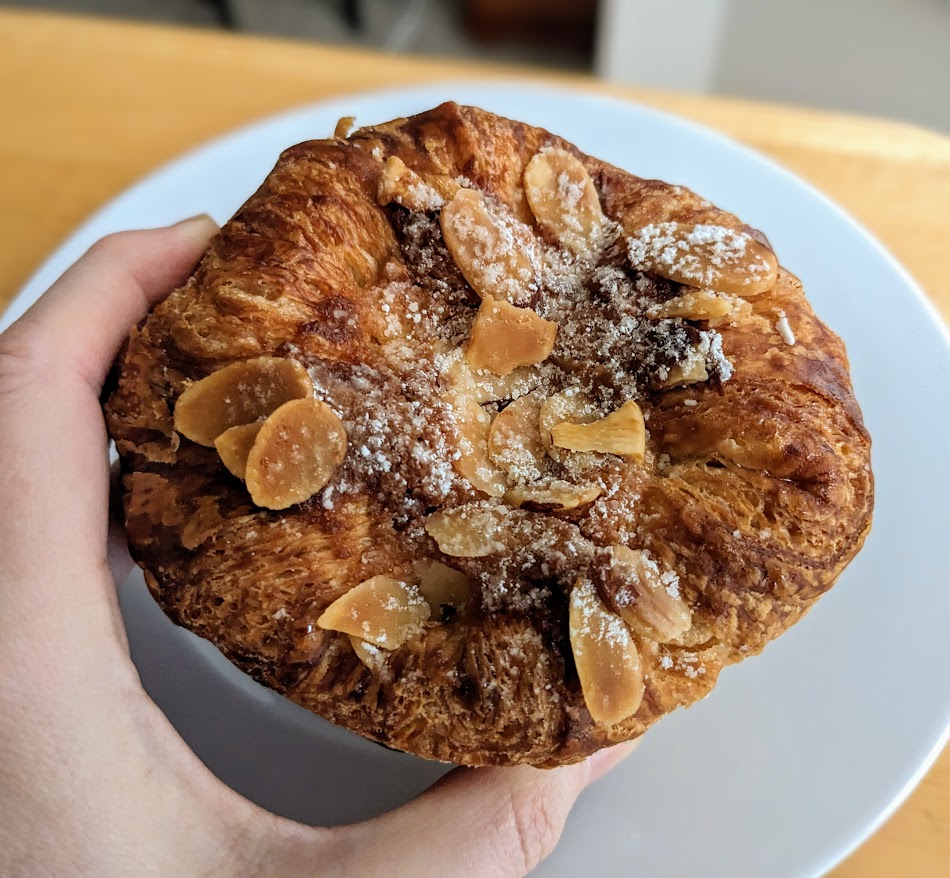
(29, 290)
(528, 85)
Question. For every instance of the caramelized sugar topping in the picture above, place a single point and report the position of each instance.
(503, 410)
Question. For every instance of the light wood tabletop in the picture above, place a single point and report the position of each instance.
(89, 106)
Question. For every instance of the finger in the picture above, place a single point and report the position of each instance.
(53, 464)
(474, 823)
(83, 318)
(480, 822)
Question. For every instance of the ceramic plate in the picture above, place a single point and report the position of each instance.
(800, 753)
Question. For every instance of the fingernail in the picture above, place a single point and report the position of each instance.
(603, 761)
(201, 226)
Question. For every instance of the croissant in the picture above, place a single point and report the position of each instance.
(483, 448)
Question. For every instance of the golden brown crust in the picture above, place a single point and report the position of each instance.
(757, 493)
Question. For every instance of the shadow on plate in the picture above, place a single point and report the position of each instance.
(279, 755)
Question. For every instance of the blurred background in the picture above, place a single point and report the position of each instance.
(883, 57)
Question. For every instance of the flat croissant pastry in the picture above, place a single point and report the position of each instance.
(483, 448)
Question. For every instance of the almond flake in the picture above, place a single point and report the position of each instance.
(473, 462)
(573, 405)
(564, 201)
(235, 445)
(622, 432)
(382, 611)
(606, 657)
(440, 584)
(646, 600)
(400, 184)
(691, 371)
(557, 496)
(486, 387)
(698, 634)
(296, 452)
(514, 441)
(497, 254)
(707, 256)
(239, 394)
(505, 337)
(468, 531)
(715, 308)
(374, 657)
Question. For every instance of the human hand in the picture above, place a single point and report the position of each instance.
(94, 780)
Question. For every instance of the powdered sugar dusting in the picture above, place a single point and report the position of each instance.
(423, 195)
(399, 399)
(783, 328)
(401, 444)
(698, 254)
(501, 250)
(595, 622)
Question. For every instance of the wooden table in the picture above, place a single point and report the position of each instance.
(90, 106)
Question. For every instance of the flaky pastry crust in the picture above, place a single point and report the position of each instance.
(754, 491)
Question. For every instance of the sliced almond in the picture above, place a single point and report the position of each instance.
(400, 184)
(606, 657)
(622, 432)
(457, 374)
(374, 657)
(473, 463)
(568, 405)
(575, 406)
(382, 611)
(645, 599)
(505, 337)
(473, 424)
(691, 371)
(557, 496)
(699, 305)
(235, 445)
(497, 254)
(295, 454)
(514, 385)
(468, 531)
(239, 394)
(487, 387)
(564, 201)
(514, 441)
(704, 256)
(441, 584)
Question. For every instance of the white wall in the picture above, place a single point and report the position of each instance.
(883, 57)
(887, 57)
(671, 44)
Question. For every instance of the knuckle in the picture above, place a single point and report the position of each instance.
(533, 821)
(109, 245)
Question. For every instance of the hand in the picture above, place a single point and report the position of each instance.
(93, 778)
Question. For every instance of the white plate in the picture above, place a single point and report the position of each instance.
(801, 753)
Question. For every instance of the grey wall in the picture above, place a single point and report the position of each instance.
(885, 57)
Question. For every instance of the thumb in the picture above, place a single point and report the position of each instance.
(474, 823)
(53, 460)
(80, 322)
